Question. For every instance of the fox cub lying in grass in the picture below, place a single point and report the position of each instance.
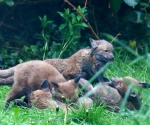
(112, 93)
(42, 98)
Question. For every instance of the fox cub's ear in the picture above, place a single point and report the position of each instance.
(45, 84)
(145, 85)
(27, 91)
(76, 80)
(93, 43)
(93, 51)
(56, 86)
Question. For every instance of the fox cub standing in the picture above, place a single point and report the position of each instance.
(90, 60)
(31, 74)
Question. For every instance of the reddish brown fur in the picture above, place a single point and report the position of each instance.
(104, 94)
(42, 99)
(113, 96)
(71, 66)
(122, 85)
(31, 74)
(85, 102)
(68, 89)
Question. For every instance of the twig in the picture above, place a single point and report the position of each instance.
(8, 26)
(95, 20)
(115, 37)
(83, 18)
(8, 13)
(85, 4)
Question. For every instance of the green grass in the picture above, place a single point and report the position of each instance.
(122, 66)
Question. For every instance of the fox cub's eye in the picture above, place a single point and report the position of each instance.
(105, 50)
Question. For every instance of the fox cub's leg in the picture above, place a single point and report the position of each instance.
(19, 102)
(15, 93)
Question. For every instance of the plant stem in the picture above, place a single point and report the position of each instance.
(46, 43)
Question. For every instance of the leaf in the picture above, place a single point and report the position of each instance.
(62, 26)
(14, 54)
(20, 61)
(131, 3)
(26, 48)
(148, 22)
(9, 2)
(67, 11)
(61, 14)
(72, 15)
(132, 44)
(1, 0)
(82, 10)
(82, 25)
(34, 48)
(136, 16)
(115, 5)
(78, 17)
(70, 27)
(143, 4)
(40, 18)
(44, 18)
(48, 22)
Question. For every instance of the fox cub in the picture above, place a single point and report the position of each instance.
(31, 74)
(41, 98)
(90, 60)
(112, 93)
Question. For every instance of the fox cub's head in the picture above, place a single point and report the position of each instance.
(68, 89)
(39, 98)
(122, 85)
(103, 50)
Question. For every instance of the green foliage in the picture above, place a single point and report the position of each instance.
(10, 3)
(7, 59)
(23, 26)
(115, 5)
(131, 3)
(45, 36)
(70, 32)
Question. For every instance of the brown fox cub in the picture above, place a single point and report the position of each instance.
(31, 74)
(91, 60)
(122, 85)
(114, 96)
(41, 98)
